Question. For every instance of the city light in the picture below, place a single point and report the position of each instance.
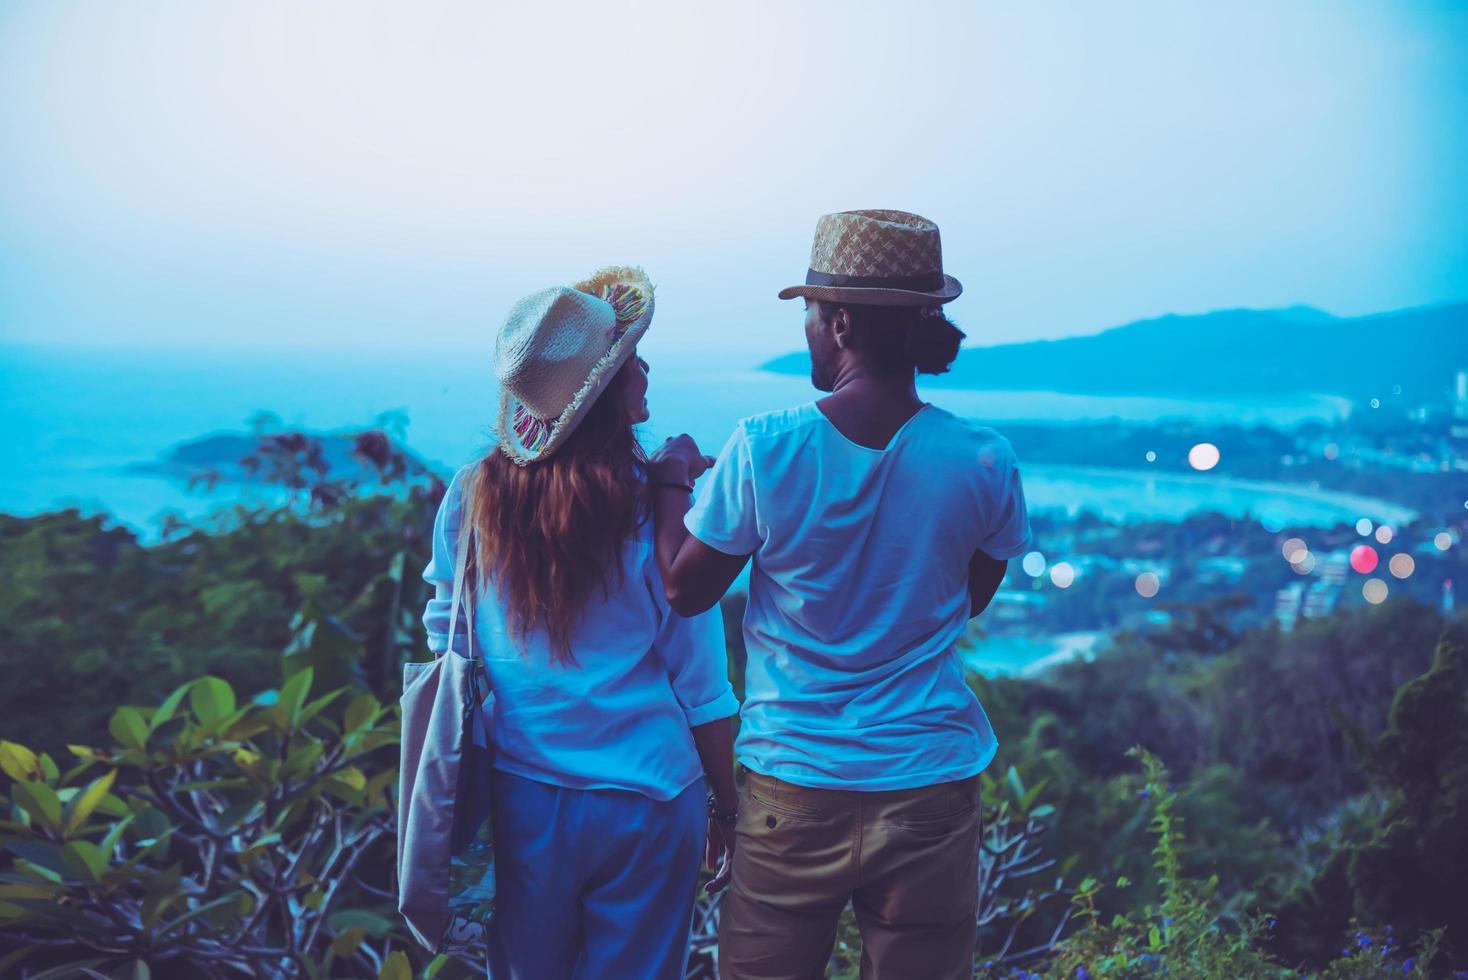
(1062, 574)
(1147, 584)
(1151, 456)
(1033, 564)
(1443, 540)
(1384, 534)
(1363, 527)
(1203, 456)
(1331, 450)
(1374, 591)
(1294, 550)
(1363, 559)
(1402, 565)
(1304, 564)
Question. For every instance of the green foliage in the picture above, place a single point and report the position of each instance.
(1186, 935)
(212, 837)
(220, 831)
(1182, 935)
(91, 619)
(1256, 734)
(1407, 870)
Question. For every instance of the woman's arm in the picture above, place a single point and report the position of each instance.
(715, 742)
(695, 575)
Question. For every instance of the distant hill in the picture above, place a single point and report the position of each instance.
(1298, 349)
(220, 457)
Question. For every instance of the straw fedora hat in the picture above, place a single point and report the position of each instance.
(558, 350)
(876, 258)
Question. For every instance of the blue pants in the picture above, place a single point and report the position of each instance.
(592, 883)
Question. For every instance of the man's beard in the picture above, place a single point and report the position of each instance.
(820, 373)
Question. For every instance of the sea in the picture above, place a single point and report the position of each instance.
(76, 420)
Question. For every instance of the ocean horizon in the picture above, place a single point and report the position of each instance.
(78, 421)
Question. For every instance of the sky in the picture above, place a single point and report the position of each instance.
(359, 176)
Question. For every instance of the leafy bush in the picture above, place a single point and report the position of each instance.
(90, 615)
(1185, 935)
(210, 839)
(1407, 868)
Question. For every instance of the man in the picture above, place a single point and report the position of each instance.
(879, 525)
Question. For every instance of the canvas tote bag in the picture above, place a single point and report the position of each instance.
(445, 837)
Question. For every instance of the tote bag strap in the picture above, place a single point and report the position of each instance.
(461, 566)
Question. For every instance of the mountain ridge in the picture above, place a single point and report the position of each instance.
(1233, 351)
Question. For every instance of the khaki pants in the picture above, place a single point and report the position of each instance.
(908, 860)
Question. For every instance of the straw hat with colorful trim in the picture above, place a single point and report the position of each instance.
(557, 352)
(876, 258)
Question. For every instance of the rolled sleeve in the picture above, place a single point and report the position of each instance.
(692, 648)
(440, 574)
(724, 517)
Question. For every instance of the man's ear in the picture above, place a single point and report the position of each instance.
(841, 327)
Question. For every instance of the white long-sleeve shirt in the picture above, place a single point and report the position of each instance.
(620, 717)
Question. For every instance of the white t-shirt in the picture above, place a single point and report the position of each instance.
(858, 592)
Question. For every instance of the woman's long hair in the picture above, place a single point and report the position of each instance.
(551, 533)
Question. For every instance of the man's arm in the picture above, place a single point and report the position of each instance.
(695, 576)
(984, 576)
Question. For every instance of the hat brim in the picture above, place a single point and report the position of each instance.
(866, 296)
(601, 375)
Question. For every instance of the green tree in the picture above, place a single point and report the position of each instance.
(1410, 872)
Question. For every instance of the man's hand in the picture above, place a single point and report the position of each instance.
(678, 460)
(719, 854)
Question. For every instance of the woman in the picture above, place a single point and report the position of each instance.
(609, 707)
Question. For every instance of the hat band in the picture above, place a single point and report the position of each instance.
(929, 283)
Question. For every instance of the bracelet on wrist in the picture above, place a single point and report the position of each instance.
(723, 816)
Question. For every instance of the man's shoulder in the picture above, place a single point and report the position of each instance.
(986, 443)
(781, 422)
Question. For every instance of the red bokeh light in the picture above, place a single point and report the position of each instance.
(1363, 559)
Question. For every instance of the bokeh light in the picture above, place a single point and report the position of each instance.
(1033, 564)
(1151, 456)
(1294, 549)
(1062, 574)
(1376, 403)
(1272, 519)
(1374, 590)
(1147, 584)
(1304, 564)
(1363, 527)
(1331, 450)
(1384, 534)
(1402, 565)
(1443, 540)
(1203, 456)
(1363, 559)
